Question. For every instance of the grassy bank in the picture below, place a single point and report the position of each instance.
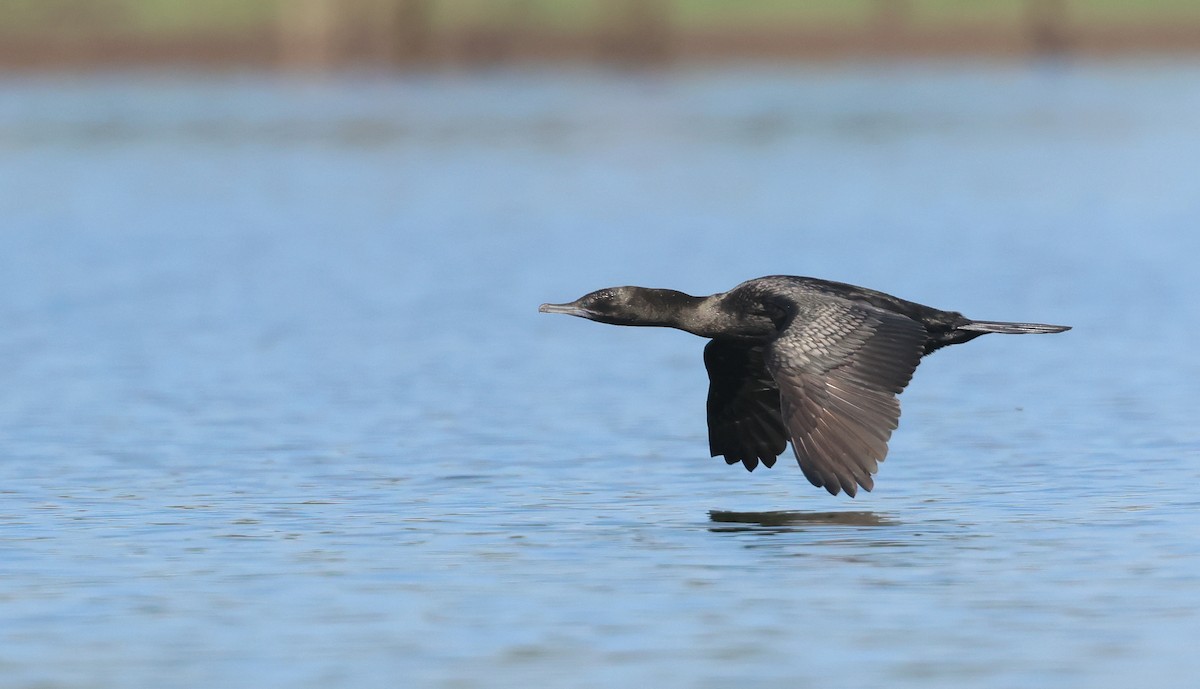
(171, 16)
(330, 31)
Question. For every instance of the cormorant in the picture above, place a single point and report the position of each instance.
(813, 361)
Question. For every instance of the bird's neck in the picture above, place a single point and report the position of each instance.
(671, 309)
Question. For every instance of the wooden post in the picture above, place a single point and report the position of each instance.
(308, 32)
(409, 25)
(1047, 26)
(888, 23)
(639, 31)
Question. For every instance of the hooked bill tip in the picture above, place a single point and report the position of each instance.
(569, 309)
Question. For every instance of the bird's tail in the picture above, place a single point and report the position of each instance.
(1012, 328)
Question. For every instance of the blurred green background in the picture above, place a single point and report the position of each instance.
(331, 32)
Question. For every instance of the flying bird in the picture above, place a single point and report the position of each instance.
(814, 362)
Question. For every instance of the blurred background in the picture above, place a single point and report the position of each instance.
(277, 407)
(407, 33)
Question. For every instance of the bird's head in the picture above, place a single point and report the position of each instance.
(613, 305)
(625, 306)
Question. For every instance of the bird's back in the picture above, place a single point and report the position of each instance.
(801, 294)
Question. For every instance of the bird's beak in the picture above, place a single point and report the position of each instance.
(571, 309)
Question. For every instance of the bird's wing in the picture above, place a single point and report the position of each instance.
(744, 422)
(839, 367)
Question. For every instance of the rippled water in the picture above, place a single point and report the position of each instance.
(278, 409)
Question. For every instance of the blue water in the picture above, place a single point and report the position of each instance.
(277, 408)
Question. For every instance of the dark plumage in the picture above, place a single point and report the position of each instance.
(816, 362)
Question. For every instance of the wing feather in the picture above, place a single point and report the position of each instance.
(745, 423)
(839, 367)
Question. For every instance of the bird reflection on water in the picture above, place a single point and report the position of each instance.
(791, 520)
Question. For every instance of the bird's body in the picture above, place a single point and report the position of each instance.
(816, 362)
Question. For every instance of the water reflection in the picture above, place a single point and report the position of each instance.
(786, 518)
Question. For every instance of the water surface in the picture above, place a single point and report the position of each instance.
(278, 409)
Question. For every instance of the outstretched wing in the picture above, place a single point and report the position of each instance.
(839, 369)
(744, 421)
